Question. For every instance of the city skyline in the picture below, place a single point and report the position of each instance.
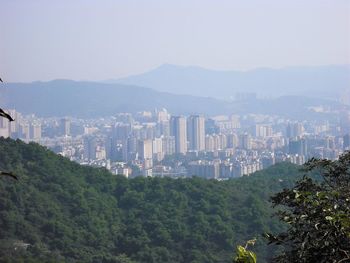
(159, 143)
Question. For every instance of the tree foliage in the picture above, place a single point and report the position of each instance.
(317, 210)
(72, 213)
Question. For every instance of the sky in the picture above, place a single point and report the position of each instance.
(105, 39)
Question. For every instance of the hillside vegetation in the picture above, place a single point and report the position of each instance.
(67, 212)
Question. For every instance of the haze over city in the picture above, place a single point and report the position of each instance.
(99, 40)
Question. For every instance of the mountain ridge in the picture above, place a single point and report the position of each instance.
(293, 80)
(94, 99)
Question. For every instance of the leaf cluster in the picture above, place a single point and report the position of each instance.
(317, 211)
(243, 255)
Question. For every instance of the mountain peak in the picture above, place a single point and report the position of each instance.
(168, 66)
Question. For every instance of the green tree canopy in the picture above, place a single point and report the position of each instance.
(317, 211)
(66, 212)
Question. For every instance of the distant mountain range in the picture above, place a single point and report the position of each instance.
(321, 81)
(94, 99)
(84, 99)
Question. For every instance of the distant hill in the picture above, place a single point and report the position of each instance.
(64, 212)
(321, 81)
(94, 99)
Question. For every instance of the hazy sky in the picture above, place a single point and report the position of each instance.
(101, 39)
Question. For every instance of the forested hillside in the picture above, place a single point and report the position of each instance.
(67, 212)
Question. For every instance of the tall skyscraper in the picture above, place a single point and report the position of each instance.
(145, 153)
(121, 131)
(90, 145)
(4, 128)
(24, 131)
(124, 118)
(263, 130)
(148, 131)
(65, 127)
(35, 131)
(164, 128)
(168, 145)
(245, 141)
(178, 130)
(162, 115)
(158, 149)
(110, 146)
(14, 124)
(196, 133)
(223, 141)
(294, 129)
(209, 143)
(145, 149)
(10, 128)
(217, 142)
(298, 146)
(211, 127)
(232, 140)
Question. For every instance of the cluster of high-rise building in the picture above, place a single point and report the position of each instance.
(160, 144)
(30, 127)
(20, 128)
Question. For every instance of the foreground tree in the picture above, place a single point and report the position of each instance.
(317, 210)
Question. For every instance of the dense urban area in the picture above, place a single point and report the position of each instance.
(159, 144)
